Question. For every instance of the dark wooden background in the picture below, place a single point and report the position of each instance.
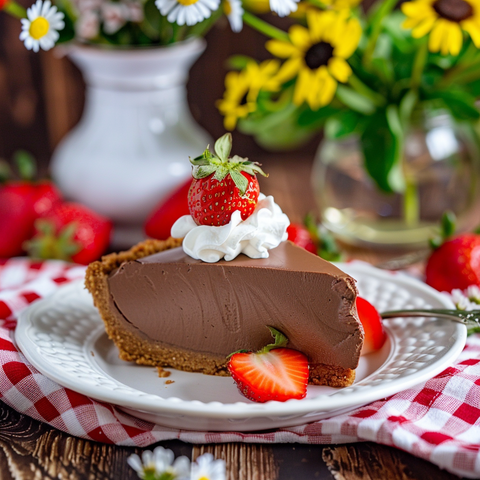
(42, 95)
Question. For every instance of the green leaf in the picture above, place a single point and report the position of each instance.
(238, 62)
(342, 124)
(448, 224)
(395, 177)
(240, 181)
(460, 103)
(203, 171)
(354, 100)
(380, 150)
(316, 118)
(223, 146)
(407, 105)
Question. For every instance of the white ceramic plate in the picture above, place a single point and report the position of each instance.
(63, 337)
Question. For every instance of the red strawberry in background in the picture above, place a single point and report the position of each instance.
(273, 373)
(375, 335)
(222, 185)
(300, 236)
(71, 232)
(166, 213)
(21, 202)
(455, 260)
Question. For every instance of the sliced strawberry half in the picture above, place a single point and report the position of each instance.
(272, 373)
(375, 335)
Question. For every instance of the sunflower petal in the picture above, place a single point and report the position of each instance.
(339, 69)
(303, 85)
(348, 44)
(281, 49)
(423, 27)
(435, 40)
(327, 90)
(455, 40)
(300, 37)
(289, 69)
(473, 29)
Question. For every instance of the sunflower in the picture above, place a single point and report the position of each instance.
(317, 55)
(242, 89)
(444, 20)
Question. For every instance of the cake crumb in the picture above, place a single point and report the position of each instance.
(168, 382)
(163, 373)
(91, 353)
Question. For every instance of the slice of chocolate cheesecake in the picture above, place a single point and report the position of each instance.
(163, 308)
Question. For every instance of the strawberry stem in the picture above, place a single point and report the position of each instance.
(25, 165)
(51, 244)
(5, 172)
(221, 165)
(280, 341)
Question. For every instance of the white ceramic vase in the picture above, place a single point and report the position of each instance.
(132, 145)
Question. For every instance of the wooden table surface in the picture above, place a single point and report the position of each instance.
(32, 450)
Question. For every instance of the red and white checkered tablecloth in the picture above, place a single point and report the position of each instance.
(438, 420)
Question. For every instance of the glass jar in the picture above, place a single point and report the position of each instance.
(441, 169)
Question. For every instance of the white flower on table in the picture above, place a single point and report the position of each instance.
(40, 28)
(234, 12)
(207, 468)
(187, 12)
(160, 464)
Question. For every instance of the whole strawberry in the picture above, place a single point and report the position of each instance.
(222, 185)
(273, 373)
(455, 261)
(166, 213)
(21, 203)
(71, 232)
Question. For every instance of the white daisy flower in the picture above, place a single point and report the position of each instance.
(207, 468)
(187, 12)
(460, 300)
(473, 294)
(234, 12)
(159, 462)
(40, 28)
(283, 7)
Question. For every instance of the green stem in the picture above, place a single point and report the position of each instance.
(366, 91)
(15, 10)
(411, 204)
(265, 28)
(419, 65)
(386, 7)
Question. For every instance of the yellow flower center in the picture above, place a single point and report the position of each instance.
(453, 10)
(318, 54)
(227, 8)
(186, 3)
(203, 478)
(39, 28)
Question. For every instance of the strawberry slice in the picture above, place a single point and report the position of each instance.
(375, 335)
(272, 373)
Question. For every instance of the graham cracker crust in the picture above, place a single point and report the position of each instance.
(134, 348)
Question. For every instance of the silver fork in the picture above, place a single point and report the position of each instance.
(469, 318)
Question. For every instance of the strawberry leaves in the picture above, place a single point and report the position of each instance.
(221, 165)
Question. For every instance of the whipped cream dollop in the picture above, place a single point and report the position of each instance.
(263, 230)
